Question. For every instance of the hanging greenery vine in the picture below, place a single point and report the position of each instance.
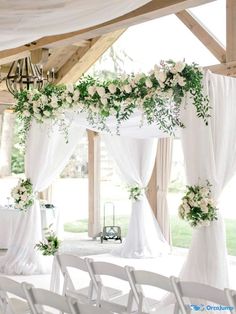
(158, 96)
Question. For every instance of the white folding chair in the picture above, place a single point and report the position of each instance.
(194, 296)
(118, 304)
(67, 262)
(231, 297)
(12, 297)
(140, 278)
(43, 301)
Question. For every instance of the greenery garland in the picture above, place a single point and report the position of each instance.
(158, 96)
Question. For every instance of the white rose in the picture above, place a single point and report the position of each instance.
(138, 77)
(76, 95)
(101, 91)
(112, 88)
(186, 208)
(148, 83)
(104, 101)
(127, 88)
(44, 99)
(180, 80)
(24, 197)
(26, 113)
(47, 113)
(38, 116)
(70, 88)
(91, 90)
(69, 100)
(179, 66)
(161, 76)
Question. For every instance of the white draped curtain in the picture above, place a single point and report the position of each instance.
(210, 154)
(135, 159)
(46, 155)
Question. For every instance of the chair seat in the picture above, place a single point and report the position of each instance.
(83, 293)
(20, 306)
(169, 309)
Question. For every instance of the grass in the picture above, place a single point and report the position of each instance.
(181, 231)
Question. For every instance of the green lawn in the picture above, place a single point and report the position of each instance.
(181, 231)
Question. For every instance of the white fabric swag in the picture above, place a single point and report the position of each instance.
(135, 159)
(46, 155)
(210, 154)
(25, 21)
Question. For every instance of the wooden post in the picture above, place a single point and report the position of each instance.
(6, 143)
(152, 190)
(94, 224)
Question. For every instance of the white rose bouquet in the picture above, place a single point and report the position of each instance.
(198, 208)
(23, 195)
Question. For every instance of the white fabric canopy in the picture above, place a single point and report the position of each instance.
(46, 156)
(24, 21)
(210, 154)
(134, 127)
(135, 159)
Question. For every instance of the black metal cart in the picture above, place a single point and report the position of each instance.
(110, 232)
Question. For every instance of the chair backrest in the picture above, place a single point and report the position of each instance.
(231, 297)
(98, 269)
(9, 286)
(67, 261)
(197, 292)
(139, 278)
(38, 299)
(79, 308)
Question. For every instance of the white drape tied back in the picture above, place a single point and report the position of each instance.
(46, 155)
(210, 153)
(135, 159)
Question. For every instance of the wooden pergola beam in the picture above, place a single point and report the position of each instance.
(152, 10)
(85, 57)
(228, 69)
(203, 34)
(230, 30)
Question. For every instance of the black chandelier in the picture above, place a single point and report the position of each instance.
(23, 74)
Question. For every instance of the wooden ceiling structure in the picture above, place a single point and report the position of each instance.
(72, 54)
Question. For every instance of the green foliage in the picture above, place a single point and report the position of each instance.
(51, 243)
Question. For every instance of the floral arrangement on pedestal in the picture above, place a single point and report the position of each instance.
(157, 95)
(198, 207)
(51, 243)
(23, 195)
(136, 192)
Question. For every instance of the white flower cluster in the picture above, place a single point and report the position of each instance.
(197, 206)
(136, 192)
(163, 89)
(23, 195)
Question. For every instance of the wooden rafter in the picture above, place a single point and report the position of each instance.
(85, 57)
(228, 69)
(152, 10)
(203, 34)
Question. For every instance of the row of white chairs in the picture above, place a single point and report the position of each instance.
(135, 300)
(24, 298)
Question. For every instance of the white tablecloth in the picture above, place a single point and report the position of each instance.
(9, 219)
